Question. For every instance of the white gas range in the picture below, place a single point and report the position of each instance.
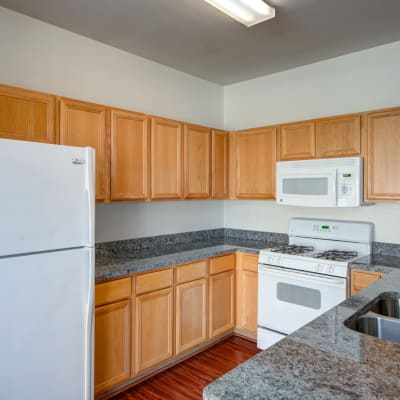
(300, 281)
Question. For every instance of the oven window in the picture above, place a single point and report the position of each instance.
(305, 186)
(299, 295)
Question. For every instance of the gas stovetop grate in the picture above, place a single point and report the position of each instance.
(292, 249)
(336, 255)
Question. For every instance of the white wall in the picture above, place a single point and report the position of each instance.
(42, 57)
(360, 81)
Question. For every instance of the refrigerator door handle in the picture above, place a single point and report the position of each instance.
(90, 195)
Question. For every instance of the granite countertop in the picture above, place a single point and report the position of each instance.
(324, 359)
(124, 262)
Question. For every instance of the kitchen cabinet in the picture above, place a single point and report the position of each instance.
(191, 306)
(338, 136)
(166, 159)
(129, 156)
(196, 162)
(112, 334)
(154, 319)
(360, 279)
(221, 295)
(255, 157)
(383, 155)
(246, 294)
(296, 141)
(27, 115)
(84, 124)
(219, 164)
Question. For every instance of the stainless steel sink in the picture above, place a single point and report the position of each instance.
(381, 318)
(378, 326)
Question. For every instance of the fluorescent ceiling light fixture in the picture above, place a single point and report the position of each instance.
(248, 12)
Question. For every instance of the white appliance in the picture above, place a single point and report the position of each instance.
(300, 281)
(334, 182)
(46, 271)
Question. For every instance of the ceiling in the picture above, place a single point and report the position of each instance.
(194, 37)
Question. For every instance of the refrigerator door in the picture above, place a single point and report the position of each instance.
(47, 200)
(46, 315)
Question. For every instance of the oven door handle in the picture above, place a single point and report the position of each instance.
(309, 276)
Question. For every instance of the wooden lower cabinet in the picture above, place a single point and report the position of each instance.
(191, 314)
(361, 279)
(221, 307)
(154, 328)
(247, 293)
(112, 345)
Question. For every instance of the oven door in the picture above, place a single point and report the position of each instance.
(307, 187)
(289, 299)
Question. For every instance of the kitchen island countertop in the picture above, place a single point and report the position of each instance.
(324, 359)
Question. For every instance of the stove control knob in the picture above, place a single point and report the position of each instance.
(320, 267)
(331, 269)
(271, 259)
(278, 261)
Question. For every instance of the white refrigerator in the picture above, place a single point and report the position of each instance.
(46, 271)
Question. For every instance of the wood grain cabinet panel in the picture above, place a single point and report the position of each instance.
(255, 163)
(154, 328)
(338, 136)
(129, 156)
(191, 314)
(84, 124)
(196, 162)
(27, 115)
(221, 309)
(219, 164)
(112, 345)
(383, 155)
(166, 159)
(361, 279)
(296, 141)
(247, 293)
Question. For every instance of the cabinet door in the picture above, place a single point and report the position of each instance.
(383, 159)
(220, 164)
(154, 327)
(26, 115)
(112, 345)
(296, 141)
(255, 160)
(338, 137)
(191, 314)
(221, 303)
(166, 159)
(196, 161)
(247, 293)
(362, 279)
(84, 124)
(129, 156)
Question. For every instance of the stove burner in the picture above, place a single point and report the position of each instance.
(292, 249)
(336, 255)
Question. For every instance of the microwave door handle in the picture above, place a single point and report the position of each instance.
(304, 275)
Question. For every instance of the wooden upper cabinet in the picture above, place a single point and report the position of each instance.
(383, 155)
(129, 156)
(84, 124)
(255, 163)
(296, 141)
(196, 161)
(338, 136)
(166, 159)
(219, 164)
(26, 115)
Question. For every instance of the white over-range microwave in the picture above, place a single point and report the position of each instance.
(333, 182)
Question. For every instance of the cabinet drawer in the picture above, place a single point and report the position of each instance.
(221, 264)
(190, 272)
(362, 279)
(247, 262)
(154, 281)
(110, 292)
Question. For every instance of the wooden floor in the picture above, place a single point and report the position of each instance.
(186, 381)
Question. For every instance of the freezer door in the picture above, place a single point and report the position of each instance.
(46, 313)
(47, 200)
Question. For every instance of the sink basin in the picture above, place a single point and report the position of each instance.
(378, 326)
(388, 307)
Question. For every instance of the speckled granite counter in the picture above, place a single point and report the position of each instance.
(125, 262)
(324, 359)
